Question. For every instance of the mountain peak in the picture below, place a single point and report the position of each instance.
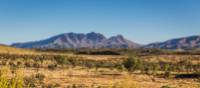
(93, 33)
(96, 36)
(120, 36)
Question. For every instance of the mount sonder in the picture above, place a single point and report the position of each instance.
(97, 40)
(79, 40)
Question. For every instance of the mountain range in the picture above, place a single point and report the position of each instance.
(79, 40)
(97, 40)
(184, 43)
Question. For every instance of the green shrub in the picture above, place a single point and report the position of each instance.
(165, 87)
(132, 64)
(167, 74)
(60, 60)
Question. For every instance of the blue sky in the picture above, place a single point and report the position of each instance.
(142, 21)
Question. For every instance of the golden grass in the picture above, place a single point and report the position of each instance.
(11, 50)
(10, 80)
(90, 78)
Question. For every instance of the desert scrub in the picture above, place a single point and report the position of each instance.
(15, 81)
(132, 64)
(35, 81)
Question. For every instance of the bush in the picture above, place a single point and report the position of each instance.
(33, 80)
(120, 67)
(27, 64)
(36, 65)
(52, 86)
(40, 77)
(4, 62)
(61, 60)
(167, 74)
(30, 82)
(132, 64)
(165, 87)
(52, 66)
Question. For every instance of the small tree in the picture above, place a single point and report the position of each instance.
(131, 64)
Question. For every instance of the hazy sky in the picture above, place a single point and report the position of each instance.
(141, 21)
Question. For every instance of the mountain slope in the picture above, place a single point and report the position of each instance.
(179, 43)
(79, 40)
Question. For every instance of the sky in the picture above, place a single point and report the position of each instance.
(142, 21)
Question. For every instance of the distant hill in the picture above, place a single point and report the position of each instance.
(79, 40)
(184, 43)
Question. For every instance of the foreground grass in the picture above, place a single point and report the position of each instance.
(13, 80)
(80, 77)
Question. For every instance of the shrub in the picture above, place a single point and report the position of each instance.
(12, 64)
(33, 80)
(52, 66)
(30, 82)
(27, 64)
(167, 74)
(40, 77)
(36, 65)
(120, 67)
(19, 63)
(61, 60)
(132, 64)
(52, 86)
(4, 62)
(165, 87)
(166, 67)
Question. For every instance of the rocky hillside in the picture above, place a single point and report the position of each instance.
(192, 42)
